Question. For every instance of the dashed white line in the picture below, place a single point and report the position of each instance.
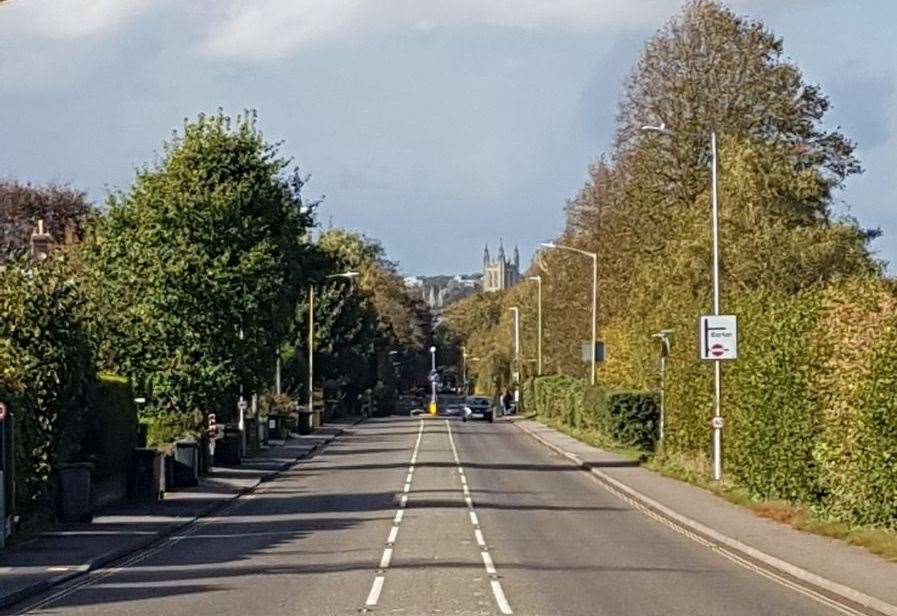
(386, 558)
(481, 541)
(500, 599)
(374, 595)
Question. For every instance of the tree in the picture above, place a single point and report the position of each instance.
(195, 271)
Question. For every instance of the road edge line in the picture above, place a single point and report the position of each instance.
(772, 562)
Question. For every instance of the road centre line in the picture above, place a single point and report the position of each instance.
(386, 558)
(500, 599)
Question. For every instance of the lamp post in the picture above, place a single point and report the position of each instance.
(432, 409)
(538, 280)
(663, 336)
(714, 217)
(594, 258)
(515, 372)
(311, 336)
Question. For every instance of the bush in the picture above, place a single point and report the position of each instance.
(164, 429)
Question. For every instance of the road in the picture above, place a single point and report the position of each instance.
(380, 523)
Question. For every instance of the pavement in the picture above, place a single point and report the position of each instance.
(70, 550)
(408, 516)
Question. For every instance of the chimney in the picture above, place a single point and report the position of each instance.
(41, 242)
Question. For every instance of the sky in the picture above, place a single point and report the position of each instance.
(435, 127)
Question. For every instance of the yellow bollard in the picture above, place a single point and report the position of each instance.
(431, 409)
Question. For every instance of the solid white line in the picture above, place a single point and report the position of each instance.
(469, 501)
(407, 487)
(399, 515)
(500, 598)
(463, 480)
(473, 518)
(384, 560)
(393, 533)
(487, 560)
(481, 541)
(374, 595)
(404, 502)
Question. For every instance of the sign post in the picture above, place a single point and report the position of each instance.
(718, 340)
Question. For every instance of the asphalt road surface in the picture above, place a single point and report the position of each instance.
(408, 516)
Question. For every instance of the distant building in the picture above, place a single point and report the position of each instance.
(502, 273)
(440, 291)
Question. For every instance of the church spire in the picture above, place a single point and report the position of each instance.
(486, 258)
(516, 258)
(501, 249)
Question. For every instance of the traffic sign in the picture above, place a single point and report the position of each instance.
(719, 337)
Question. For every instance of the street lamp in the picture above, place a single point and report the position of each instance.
(311, 335)
(515, 373)
(538, 280)
(594, 258)
(433, 374)
(663, 336)
(717, 415)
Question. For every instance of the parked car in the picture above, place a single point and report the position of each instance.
(478, 407)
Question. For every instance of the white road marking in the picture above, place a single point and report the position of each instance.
(384, 560)
(481, 541)
(500, 599)
(374, 595)
(487, 561)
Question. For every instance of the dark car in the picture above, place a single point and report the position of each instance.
(478, 407)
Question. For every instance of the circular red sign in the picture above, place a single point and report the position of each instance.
(2, 411)
(717, 350)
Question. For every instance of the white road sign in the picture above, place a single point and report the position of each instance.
(719, 337)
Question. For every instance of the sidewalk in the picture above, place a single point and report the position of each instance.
(832, 568)
(72, 549)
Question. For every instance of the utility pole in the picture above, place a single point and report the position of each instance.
(515, 371)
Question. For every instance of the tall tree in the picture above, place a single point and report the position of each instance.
(196, 269)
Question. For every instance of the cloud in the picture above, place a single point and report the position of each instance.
(270, 29)
(67, 20)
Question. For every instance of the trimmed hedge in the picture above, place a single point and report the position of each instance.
(629, 418)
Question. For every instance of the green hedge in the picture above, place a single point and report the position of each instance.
(630, 418)
(810, 405)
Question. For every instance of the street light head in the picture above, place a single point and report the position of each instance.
(661, 128)
(432, 349)
(549, 245)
